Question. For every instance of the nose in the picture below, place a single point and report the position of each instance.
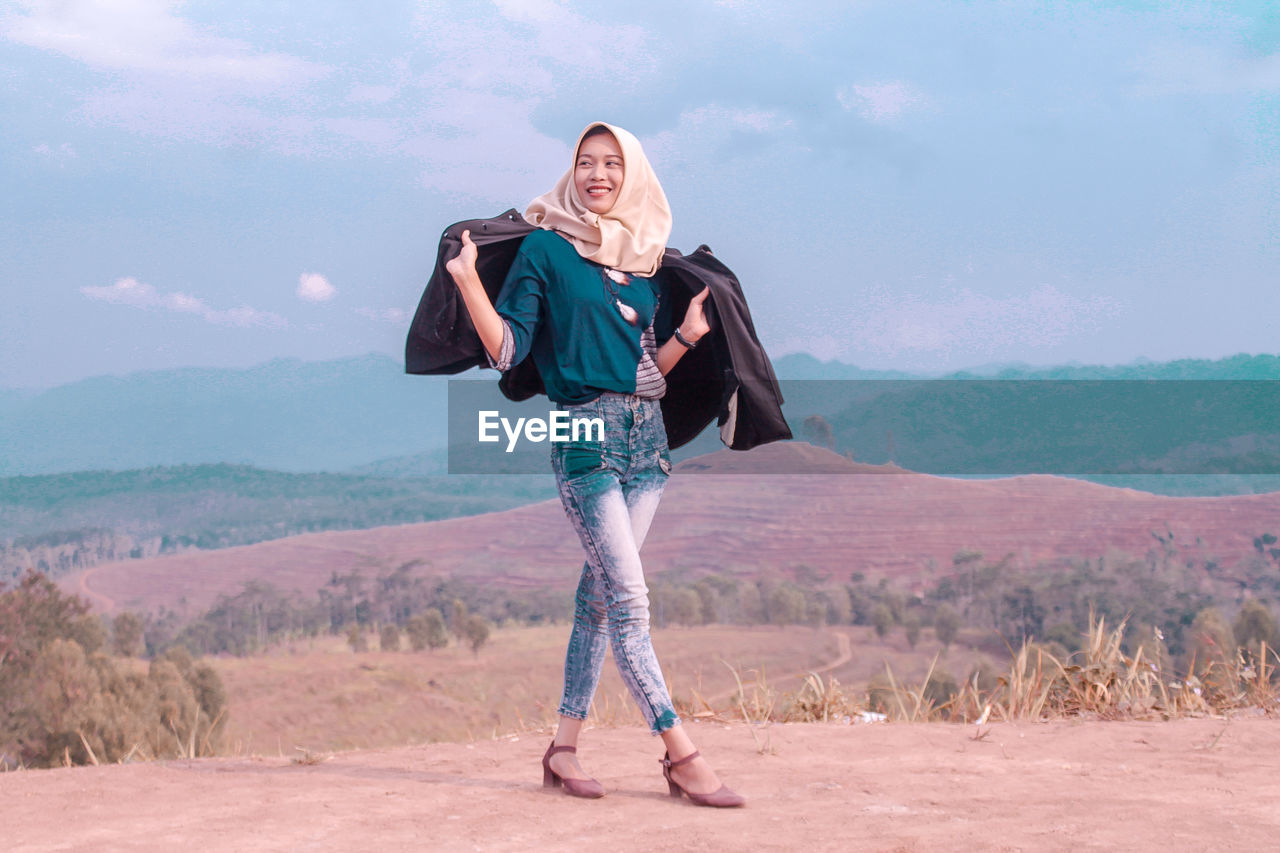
(597, 170)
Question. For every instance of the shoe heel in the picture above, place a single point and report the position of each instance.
(549, 779)
(673, 789)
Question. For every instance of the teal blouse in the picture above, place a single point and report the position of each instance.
(560, 308)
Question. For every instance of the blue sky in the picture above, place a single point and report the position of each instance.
(910, 185)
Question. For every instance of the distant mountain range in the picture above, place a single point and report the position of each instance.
(286, 415)
(360, 415)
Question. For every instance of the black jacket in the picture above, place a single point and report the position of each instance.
(728, 376)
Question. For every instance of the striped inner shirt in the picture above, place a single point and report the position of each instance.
(650, 382)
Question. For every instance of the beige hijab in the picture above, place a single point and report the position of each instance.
(633, 235)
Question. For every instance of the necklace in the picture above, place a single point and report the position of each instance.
(612, 278)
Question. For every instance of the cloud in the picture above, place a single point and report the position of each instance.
(394, 316)
(146, 36)
(59, 156)
(708, 131)
(313, 287)
(1175, 69)
(965, 323)
(881, 103)
(130, 291)
(474, 123)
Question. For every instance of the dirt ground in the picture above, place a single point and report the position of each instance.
(1203, 784)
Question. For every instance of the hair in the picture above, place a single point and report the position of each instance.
(597, 130)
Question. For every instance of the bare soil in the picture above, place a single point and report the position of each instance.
(1196, 784)
(834, 518)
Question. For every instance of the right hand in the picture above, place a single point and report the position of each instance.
(463, 265)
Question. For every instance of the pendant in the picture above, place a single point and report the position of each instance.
(628, 313)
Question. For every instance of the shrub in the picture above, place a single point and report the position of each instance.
(63, 703)
(476, 631)
(946, 624)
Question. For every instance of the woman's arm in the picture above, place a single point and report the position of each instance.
(483, 316)
(692, 329)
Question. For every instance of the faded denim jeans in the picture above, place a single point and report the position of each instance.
(610, 491)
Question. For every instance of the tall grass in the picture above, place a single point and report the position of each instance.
(1100, 681)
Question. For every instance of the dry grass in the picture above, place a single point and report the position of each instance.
(1099, 682)
(321, 694)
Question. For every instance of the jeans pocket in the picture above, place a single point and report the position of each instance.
(579, 460)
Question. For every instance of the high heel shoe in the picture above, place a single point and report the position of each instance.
(588, 788)
(721, 798)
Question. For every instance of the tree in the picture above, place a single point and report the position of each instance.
(357, 640)
(458, 618)
(476, 632)
(126, 634)
(686, 606)
(786, 605)
(881, 620)
(818, 431)
(946, 624)
(437, 636)
(1211, 638)
(1255, 625)
(64, 701)
(911, 627)
(389, 638)
(427, 631)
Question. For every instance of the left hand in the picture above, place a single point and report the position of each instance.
(695, 322)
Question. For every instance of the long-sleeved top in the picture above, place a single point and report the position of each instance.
(728, 376)
(582, 327)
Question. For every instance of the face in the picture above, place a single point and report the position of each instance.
(598, 172)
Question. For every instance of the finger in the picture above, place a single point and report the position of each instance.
(701, 296)
(466, 237)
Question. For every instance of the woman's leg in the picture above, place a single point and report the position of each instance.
(611, 521)
(583, 662)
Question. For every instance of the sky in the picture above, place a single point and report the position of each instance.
(914, 185)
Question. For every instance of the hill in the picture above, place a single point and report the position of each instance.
(286, 414)
(56, 522)
(834, 518)
(357, 413)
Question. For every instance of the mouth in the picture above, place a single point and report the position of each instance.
(597, 192)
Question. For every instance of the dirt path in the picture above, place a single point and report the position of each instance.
(1073, 786)
(97, 599)
(844, 654)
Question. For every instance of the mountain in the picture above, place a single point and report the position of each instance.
(364, 415)
(286, 414)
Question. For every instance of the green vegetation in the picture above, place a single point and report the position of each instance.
(64, 700)
(66, 522)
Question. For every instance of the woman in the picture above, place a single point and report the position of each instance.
(581, 299)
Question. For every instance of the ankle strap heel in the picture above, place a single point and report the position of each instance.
(721, 798)
(587, 788)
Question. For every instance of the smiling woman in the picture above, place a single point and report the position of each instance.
(599, 170)
(582, 300)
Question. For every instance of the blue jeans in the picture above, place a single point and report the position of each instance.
(610, 490)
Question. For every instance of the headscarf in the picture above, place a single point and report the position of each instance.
(632, 236)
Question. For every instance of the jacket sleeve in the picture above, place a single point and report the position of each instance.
(522, 302)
